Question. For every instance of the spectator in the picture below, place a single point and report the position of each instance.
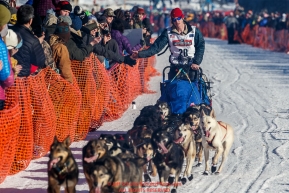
(109, 15)
(119, 14)
(138, 17)
(117, 29)
(231, 23)
(78, 11)
(141, 22)
(148, 30)
(76, 24)
(49, 23)
(6, 73)
(101, 51)
(63, 8)
(31, 52)
(76, 48)
(13, 42)
(41, 6)
(107, 41)
(13, 19)
(38, 31)
(60, 52)
(128, 24)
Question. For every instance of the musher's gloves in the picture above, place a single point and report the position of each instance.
(142, 42)
(129, 61)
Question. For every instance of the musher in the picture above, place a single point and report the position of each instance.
(186, 45)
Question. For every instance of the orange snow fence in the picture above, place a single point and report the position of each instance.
(24, 144)
(43, 115)
(45, 105)
(102, 83)
(262, 37)
(66, 99)
(9, 130)
(85, 80)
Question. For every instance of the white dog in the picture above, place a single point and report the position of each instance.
(219, 136)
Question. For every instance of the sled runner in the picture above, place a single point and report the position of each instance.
(182, 93)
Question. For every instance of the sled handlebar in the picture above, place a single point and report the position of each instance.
(164, 75)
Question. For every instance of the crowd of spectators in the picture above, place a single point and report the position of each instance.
(52, 33)
(236, 19)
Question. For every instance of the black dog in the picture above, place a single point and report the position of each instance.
(169, 157)
(150, 116)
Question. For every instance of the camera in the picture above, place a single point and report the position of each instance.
(97, 34)
(89, 27)
(105, 32)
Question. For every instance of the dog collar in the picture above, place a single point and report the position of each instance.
(62, 171)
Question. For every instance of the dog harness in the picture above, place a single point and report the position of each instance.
(211, 142)
(182, 47)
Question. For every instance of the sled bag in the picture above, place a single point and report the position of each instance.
(180, 94)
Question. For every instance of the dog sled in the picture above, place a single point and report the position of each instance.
(181, 93)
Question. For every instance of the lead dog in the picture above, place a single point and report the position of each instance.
(219, 136)
(62, 167)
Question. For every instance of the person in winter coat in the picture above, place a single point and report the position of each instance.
(76, 48)
(59, 50)
(231, 23)
(13, 43)
(31, 52)
(49, 23)
(92, 32)
(41, 6)
(117, 29)
(5, 67)
(186, 44)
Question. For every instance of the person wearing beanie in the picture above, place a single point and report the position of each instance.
(31, 51)
(38, 31)
(13, 42)
(186, 44)
(65, 18)
(138, 17)
(49, 23)
(60, 52)
(76, 23)
(78, 11)
(63, 8)
(5, 16)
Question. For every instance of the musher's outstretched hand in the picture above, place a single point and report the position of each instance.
(134, 55)
(195, 66)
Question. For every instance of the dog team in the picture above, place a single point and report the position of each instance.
(158, 144)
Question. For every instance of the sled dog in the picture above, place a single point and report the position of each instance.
(219, 136)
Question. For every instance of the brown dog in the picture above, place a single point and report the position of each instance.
(62, 167)
(93, 151)
(185, 137)
(114, 174)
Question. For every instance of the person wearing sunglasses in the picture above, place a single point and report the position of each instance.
(186, 44)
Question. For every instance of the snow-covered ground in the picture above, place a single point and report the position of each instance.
(251, 89)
